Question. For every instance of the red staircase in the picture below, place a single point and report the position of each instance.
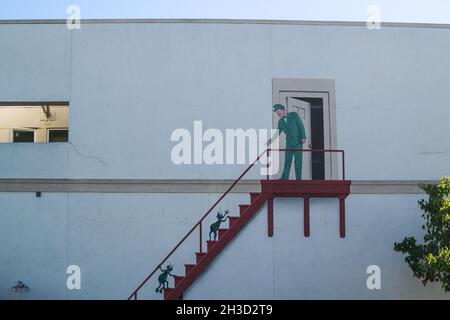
(270, 189)
(214, 248)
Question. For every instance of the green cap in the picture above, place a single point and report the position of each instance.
(278, 107)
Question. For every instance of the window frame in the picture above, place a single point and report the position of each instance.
(11, 135)
(57, 129)
(36, 104)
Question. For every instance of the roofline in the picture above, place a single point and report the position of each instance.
(233, 21)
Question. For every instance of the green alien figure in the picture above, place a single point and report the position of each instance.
(163, 283)
(221, 217)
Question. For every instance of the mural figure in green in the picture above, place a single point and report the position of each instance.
(162, 279)
(292, 126)
(221, 217)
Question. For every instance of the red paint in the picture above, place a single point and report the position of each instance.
(214, 250)
(178, 279)
(188, 268)
(310, 189)
(200, 237)
(270, 217)
(210, 244)
(242, 208)
(270, 189)
(195, 226)
(300, 188)
(311, 150)
(306, 216)
(222, 233)
(167, 292)
(232, 220)
(342, 217)
(253, 196)
(199, 256)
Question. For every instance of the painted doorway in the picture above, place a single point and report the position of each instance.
(303, 110)
(314, 101)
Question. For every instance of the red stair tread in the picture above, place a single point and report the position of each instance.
(233, 220)
(199, 256)
(222, 233)
(178, 279)
(242, 208)
(253, 196)
(189, 267)
(210, 244)
(167, 291)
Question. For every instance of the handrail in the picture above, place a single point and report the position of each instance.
(342, 152)
(199, 223)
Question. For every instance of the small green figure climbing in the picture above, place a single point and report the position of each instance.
(221, 217)
(163, 283)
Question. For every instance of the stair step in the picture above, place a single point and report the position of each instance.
(199, 256)
(253, 196)
(233, 220)
(242, 208)
(178, 279)
(167, 291)
(210, 244)
(222, 233)
(189, 267)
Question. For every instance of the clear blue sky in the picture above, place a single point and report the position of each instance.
(434, 11)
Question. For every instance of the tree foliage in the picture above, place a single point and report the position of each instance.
(430, 261)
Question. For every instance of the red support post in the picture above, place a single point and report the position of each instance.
(342, 217)
(343, 165)
(306, 222)
(270, 217)
(201, 237)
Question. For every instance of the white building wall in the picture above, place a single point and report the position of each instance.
(34, 62)
(323, 266)
(130, 85)
(117, 239)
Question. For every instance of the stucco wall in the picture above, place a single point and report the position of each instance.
(130, 85)
(323, 266)
(117, 239)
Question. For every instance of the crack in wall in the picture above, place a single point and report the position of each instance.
(434, 152)
(87, 156)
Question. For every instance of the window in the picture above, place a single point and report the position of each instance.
(37, 122)
(23, 135)
(58, 135)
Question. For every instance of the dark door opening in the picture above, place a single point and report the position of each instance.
(317, 138)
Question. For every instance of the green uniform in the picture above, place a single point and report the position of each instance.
(293, 127)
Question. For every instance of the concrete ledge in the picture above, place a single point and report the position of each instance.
(186, 186)
(125, 186)
(388, 187)
(232, 21)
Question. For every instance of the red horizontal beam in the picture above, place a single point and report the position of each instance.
(314, 188)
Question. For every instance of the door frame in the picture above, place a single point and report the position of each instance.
(324, 88)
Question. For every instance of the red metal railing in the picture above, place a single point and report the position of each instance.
(198, 225)
(310, 150)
